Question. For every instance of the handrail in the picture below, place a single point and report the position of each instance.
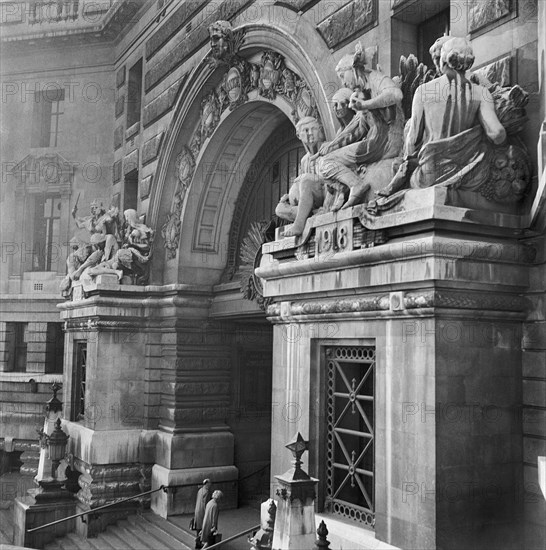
(93, 510)
(164, 488)
(233, 537)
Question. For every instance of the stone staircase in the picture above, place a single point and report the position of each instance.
(138, 532)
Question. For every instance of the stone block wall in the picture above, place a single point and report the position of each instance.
(534, 401)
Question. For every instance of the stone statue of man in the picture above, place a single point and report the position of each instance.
(307, 192)
(450, 114)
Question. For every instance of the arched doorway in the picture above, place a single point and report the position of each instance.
(224, 165)
(267, 178)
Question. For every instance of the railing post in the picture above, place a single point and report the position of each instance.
(322, 532)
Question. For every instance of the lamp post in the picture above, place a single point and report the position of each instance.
(56, 444)
(53, 443)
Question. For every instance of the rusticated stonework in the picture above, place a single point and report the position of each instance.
(120, 77)
(189, 42)
(355, 17)
(151, 149)
(145, 187)
(497, 72)
(484, 12)
(177, 20)
(130, 162)
(118, 137)
(120, 105)
(116, 171)
(162, 104)
(297, 5)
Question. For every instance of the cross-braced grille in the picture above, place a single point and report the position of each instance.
(350, 432)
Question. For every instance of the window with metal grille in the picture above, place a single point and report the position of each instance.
(79, 381)
(350, 417)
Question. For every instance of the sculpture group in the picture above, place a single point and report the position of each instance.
(115, 246)
(461, 133)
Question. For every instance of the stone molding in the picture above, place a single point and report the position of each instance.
(400, 302)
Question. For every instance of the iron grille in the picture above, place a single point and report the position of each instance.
(350, 432)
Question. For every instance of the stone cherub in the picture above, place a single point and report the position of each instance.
(450, 114)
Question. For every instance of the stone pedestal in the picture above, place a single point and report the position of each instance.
(295, 521)
(29, 513)
(433, 293)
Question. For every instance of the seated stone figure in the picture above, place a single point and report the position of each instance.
(450, 114)
(100, 222)
(374, 134)
(131, 259)
(307, 192)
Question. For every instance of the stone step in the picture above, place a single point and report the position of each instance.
(138, 532)
(169, 528)
(142, 523)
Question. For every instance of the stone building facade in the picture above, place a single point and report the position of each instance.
(187, 377)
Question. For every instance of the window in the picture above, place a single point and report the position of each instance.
(16, 346)
(134, 94)
(48, 112)
(79, 381)
(47, 233)
(54, 348)
(130, 191)
(427, 33)
(350, 423)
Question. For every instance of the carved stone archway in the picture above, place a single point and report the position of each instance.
(224, 113)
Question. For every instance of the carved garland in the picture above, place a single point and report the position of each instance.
(270, 78)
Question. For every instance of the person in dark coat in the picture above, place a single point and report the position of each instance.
(203, 497)
(210, 521)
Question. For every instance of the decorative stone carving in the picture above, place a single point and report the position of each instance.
(48, 172)
(356, 16)
(224, 41)
(499, 72)
(307, 192)
(130, 261)
(270, 78)
(251, 256)
(457, 135)
(370, 137)
(103, 224)
(185, 166)
(484, 12)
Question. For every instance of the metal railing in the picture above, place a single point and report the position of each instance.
(164, 488)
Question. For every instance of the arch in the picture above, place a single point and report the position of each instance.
(259, 117)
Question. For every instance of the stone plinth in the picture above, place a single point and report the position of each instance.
(29, 514)
(433, 292)
(295, 520)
